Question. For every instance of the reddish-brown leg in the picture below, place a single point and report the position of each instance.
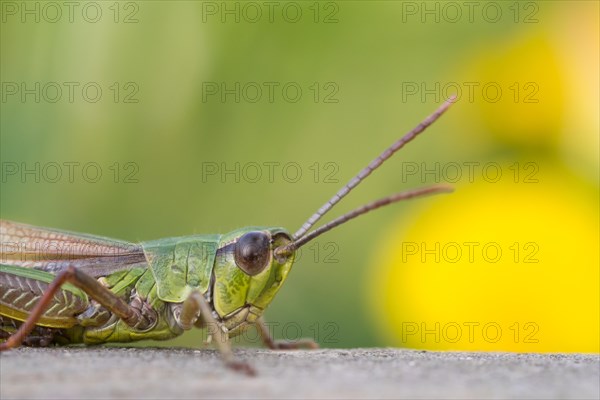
(282, 344)
(91, 287)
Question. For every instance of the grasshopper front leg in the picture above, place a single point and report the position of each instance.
(196, 307)
(282, 344)
(131, 316)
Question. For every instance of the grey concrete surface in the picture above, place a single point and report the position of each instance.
(150, 373)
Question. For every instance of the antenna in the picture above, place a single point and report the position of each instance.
(286, 250)
(373, 165)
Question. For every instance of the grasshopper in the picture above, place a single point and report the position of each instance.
(59, 287)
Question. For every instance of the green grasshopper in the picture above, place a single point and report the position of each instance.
(59, 287)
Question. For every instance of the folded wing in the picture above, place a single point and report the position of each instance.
(54, 250)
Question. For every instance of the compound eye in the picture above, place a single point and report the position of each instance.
(253, 252)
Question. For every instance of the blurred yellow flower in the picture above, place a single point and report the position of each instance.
(496, 266)
(523, 98)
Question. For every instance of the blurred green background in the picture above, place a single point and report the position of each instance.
(368, 71)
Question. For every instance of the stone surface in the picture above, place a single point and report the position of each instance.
(150, 373)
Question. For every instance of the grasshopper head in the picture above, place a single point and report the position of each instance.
(248, 274)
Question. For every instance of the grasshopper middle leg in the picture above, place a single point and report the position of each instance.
(196, 308)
